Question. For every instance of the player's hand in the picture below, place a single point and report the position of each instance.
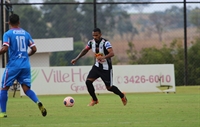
(100, 58)
(73, 61)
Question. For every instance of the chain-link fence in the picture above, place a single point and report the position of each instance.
(140, 31)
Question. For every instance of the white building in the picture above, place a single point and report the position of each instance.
(45, 47)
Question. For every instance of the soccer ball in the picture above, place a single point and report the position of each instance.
(69, 101)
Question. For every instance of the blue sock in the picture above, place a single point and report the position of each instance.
(32, 95)
(4, 99)
(0, 99)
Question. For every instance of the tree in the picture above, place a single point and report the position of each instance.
(174, 54)
(158, 20)
(193, 62)
(155, 56)
(195, 17)
(177, 50)
(16, 1)
(174, 17)
(110, 17)
(31, 20)
(63, 20)
(171, 18)
(132, 53)
(125, 27)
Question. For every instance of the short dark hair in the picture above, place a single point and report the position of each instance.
(14, 19)
(96, 30)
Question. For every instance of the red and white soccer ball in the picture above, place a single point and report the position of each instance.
(69, 101)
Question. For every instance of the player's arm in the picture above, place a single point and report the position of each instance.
(3, 49)
(110, 54)
(82, 53)
(31, 45)
(32, 51)
(109, 49)
(6, 44)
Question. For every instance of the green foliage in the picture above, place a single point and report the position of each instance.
(63, 20)
(174, 54)
(31, 20)
(193, 62)
(132, 53)
(178, 60)
(110, 17)
(153, 55)
(80, 18)
(195, 17)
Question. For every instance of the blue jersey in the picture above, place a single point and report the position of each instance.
(18, 41)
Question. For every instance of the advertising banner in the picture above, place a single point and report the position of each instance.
(128, 78)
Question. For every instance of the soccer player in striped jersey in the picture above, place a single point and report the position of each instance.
(102, 68)
(16, 42)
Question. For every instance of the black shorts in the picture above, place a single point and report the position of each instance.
(105, 75)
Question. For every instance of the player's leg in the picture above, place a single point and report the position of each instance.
(107, 77)
(4, 99)
(0, 98)
(30, 93)
(92, 76)
(7, 81)
(25, 81)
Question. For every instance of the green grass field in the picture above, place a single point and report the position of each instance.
(180, 109)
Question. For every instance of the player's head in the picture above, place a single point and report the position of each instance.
(96, 33)
(96, 30)
(14, 19)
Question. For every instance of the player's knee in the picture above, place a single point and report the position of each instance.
(108, 88)
(88, 82)
(25, 88)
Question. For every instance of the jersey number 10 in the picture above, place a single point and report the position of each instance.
(21, 43)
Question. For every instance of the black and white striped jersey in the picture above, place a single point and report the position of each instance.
(100, 48)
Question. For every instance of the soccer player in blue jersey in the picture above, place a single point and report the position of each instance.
(16, 42)
(102, 68)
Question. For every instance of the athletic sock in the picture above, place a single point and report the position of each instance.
(32, 95)
(0, 99)
(91, 90)
(115, 90)
(4, 99)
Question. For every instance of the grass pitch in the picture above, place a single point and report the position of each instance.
(180, 109)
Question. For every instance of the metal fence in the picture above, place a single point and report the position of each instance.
(140, 31)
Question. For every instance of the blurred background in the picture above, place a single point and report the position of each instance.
(140, 31)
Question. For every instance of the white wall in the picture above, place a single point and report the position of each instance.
(40, 60)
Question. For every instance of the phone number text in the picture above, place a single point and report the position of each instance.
(144, 79)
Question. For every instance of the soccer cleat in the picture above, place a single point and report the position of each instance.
(92, 103)
(124, 100)
(42, 109)
(3, 115)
